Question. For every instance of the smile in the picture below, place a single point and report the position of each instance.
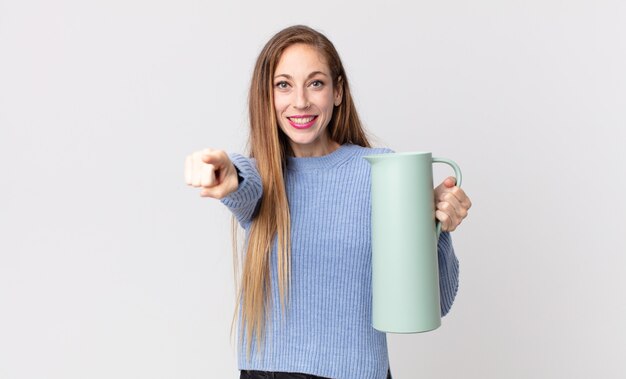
(302, 122)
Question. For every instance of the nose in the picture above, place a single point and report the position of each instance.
(301, 101)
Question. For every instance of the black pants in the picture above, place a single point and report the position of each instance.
(252, 374)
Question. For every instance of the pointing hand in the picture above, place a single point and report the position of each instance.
(213, 171)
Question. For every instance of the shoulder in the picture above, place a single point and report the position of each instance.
(362, 150)
(356, 156)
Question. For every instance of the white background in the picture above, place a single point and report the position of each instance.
(111, 267)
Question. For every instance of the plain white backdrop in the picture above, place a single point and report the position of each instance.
(111, 267)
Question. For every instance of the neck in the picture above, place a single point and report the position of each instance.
(318, 150)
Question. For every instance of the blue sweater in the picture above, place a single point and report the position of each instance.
(328, 327)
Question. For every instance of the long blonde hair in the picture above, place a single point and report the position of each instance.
(270, 147)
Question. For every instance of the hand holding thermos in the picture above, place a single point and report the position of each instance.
(451, 204)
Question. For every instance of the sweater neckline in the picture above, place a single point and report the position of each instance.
(341, 154)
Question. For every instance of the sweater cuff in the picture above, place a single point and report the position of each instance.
(249, 189)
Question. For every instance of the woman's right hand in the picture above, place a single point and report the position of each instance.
(213, 171)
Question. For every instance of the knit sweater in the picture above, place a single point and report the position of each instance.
(327, 330)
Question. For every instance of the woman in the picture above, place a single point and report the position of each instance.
(303, 200)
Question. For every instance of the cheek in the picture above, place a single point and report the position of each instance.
(280, 103)
(329, 105)
(325, 102)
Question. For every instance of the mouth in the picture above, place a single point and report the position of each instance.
(302, 121)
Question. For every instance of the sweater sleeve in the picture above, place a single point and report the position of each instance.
(448, 272)
(245, 199)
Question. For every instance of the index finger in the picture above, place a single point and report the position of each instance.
(211, 157)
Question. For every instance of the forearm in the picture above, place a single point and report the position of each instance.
(243, 201)
(448, 272)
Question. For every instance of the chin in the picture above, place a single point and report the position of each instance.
(301, 139)
(301, 142)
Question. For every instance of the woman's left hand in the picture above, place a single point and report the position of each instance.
(451, 204)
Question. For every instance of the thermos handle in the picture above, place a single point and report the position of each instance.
(457, 174)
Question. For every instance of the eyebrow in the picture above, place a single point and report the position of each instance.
(310, 75)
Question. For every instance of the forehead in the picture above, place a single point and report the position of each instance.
(301, 59)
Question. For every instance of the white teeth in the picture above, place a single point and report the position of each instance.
(301, 120)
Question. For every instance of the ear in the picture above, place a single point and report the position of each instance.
(339, 91)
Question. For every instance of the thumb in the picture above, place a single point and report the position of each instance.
(211, 157)
(450, 181)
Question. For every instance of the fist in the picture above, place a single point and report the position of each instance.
(212, 171)
(451, 204)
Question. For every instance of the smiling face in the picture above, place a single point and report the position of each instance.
(304, 99)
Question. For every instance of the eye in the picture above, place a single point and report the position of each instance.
(317, 83)
(281, 85)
